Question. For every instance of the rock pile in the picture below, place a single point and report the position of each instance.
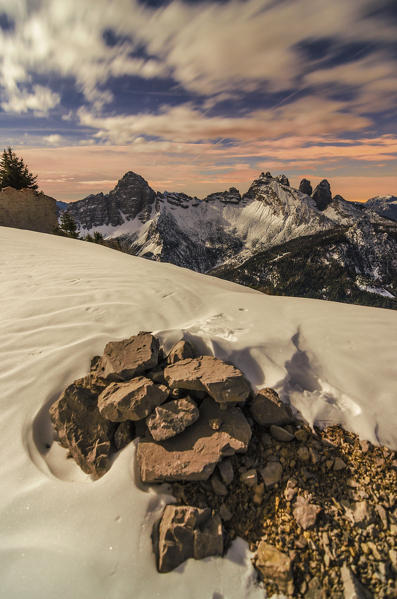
(318, 508)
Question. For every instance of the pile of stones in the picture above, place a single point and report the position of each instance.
(318, 508)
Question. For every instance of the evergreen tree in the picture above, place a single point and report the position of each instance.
(15, 173)
(98, 237)
(68, 225)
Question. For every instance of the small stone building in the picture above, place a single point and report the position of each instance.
(27, 209)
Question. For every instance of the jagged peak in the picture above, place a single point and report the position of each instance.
(129, 178)
(306, 187)
(322, 195)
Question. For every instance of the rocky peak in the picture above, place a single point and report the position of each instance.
(306, 187)
(283, 179)
(232, 196)
(130, 179)
(322, 195)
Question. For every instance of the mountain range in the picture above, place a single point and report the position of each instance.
(273, 238)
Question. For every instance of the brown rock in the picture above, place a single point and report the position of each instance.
(267, 408)
(280, 434)
(125, 359)
(131, 401)
(291, 489)
(305, 513)
(172, 418)
(352, 588)
(81, 429)
(217, 485)
(274, 566)
(339, 464)
(271, 473)
(125, 433)
(184, 532)
(222, 381)
(226, 471)
(181, 351)
(194, 454)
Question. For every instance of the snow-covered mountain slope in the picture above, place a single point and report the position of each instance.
(65, 536)
(199, 234)
(384, 205)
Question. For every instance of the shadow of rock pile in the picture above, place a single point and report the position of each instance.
(318, 508)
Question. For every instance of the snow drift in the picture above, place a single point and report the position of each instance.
(62, 300)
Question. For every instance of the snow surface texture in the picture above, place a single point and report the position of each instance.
(65, 536)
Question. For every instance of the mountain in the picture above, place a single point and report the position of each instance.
(384, 205)
(223, 232)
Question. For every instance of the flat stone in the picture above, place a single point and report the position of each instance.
(194, 454)
(185, 532)
(267, 409)
(271, 473)
(123, 360)
(180, 351)
(305, 513)
(172, 418)
(223, 382)
(82, 429)
(275, 567)
(280, 434)
(133, 400)
(352, 587)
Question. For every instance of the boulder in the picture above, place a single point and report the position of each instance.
(305, 187)
(181, 351)
(185, 532)
(275, 567)
(82, 429)
(172, 418)
(305, 513)
(223, 382)
(194, 454)
(133, 400)
(267, 409)
(122, 360)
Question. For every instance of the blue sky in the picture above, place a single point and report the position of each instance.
(199, 96)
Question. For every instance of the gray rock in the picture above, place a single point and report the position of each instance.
(180, 351)
(223, 382)
(267, 409)
(271, 473)
(280, 434)
(133, 400)
(185, 532)
(352, 587)
(305, 187)
(305, 513)
(217, 485)
(125, 433)
(322, 195)
(226, 471)
(125, 359)
(82, 429)
(172, 418)
(194, 454)
(274, 566)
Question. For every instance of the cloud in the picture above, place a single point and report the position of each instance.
(40, 101)
(53, 140)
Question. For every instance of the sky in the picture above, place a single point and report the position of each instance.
(199, 96)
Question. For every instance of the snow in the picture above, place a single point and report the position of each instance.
(65, 536)
(376, 290)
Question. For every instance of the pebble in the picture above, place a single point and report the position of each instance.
(339, 464)
(301, 435)
(271, 473)
(226, 471)
(217, 486)
(249, 478)
(303, 454)
(280, 434)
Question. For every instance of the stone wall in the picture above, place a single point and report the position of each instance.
(26, 209)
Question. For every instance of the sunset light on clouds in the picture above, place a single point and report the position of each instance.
(198, 96)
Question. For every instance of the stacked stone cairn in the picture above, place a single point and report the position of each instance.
(233, 458)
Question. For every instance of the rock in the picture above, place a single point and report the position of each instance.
(283, 179)
(303, 454)
(180, 351)
(305, 513)
(133, 400)
(223, 382)
(122, 360)
(271, 473)
(322, 195)
(365, 446)
(194, 454)
(125, 433)
(217, 485)
(226, 471)
(301, 435)
(360, 514)
(249, 478)
(267, 409)
(382, 514)
(172, 418)
(184, 532)
(352, 588)
(156, 375)
(339, 464)
(280, 434)
(291, 489)
(315, 590)
(225, 513)
(305, 187)
(274, 566)
(82, 429)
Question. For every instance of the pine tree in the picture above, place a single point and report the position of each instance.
(15, 173)
(68, 225)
